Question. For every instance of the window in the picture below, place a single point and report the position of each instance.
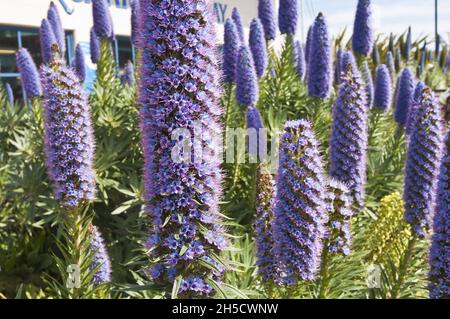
(12, 38)
(123, 51)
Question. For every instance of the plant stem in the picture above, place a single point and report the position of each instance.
(324, 273)
(404, 267)
(228, 91)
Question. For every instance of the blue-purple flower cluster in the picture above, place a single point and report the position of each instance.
(180, 88)
(299, 60)
(103, 26)
(29, 74)
(100, 263)
(300, 208)
(247, 91)
(383, 88)
(127, 77)
(47, 39)
(288, 16)
(56, 26)
(404, 96)
(257, 45)
(230, 51)
(69, 137)
(79, 63)
(422, 166)
(266, 13)
(412, 114)
(363, 39)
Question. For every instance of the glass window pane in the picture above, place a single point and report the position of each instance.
(30, 40)
(125, 50)
(8, 47)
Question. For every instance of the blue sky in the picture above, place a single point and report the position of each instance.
(389, 15)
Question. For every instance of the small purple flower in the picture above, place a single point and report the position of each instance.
(79, 63)
(404, 96)
(439, 275)
(363, 39)
(266, 13)
(257, 141)
(265, 190)
(319, 65)
(412, 115)
(58, 31)
(28, 74)
(47, 38)
(94, 46)
(383, 89)
(258, 47)
(68, 135)
(127, 77)
(9, 94)
(100, 259)
(246, 79)
(300, 208)
(425, 148)
(230, 51)
(236, 17)
(102, 19)
(288, 16)
(299, 60)
(348, 142)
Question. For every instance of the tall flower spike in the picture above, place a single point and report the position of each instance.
(422, 164)
(230, 51)
(319, 67)
(391, 44)
(180, 88)
(367, 77)
(266, 14)
(47, 38)
(69, 137)
(337, 65)
(408, 45)
(348, 61)
(257, 141)
(398, 60)
(246, 80)
(288, 16)
(383, 89)
(391, 66)
(95, 46)
(135, 22)
(28, 74)
(300, 209)
(375, 55)
(9, 94)
(102, 19)
(57, 28)
(100, 259)
(439, 275)
(308, 44)
(404, 96)
(348, 142)
(127, 77)
(363, 39)
(258, 47)
(412, 114)
(339, 237)
(265, 190)
(79, 63)
(300, 65)
(236, 17)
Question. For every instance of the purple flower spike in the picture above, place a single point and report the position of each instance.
(319, 67)
(28, 73)
(47, 38)
(300, 209)
(127, 77)
(348, 61)
(9, 94)
(257, 140)
(422, 165)
(135, 22)
(102, 19)
(69, 137)
(79, 63)
(363, 39)
(246, 80)
(95, 47)
(367, 77)
(288, 16)
(383, 88)
(412, 115)
(408, 45)
(308, 44)
(58, 31)
(375, 55)
(339, 237)
(337, 66)
(230, 51)
(439, 275)
(299, 60)
(265, 190)
(258, 47)
(391, 66)
(100, 259)
(236, 17)
(179, 90)
(348, 142)
(266, 13)
(404, 96)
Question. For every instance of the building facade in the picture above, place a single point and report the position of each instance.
(20, 20)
